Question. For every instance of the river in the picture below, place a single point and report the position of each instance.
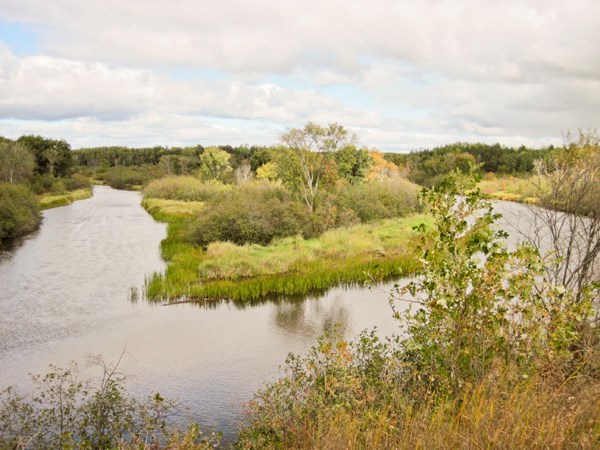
(65, 295)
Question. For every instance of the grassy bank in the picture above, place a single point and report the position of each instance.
(511, 188)
(287, 266)
(51, 200)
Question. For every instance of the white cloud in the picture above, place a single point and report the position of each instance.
(42, 87)
(414, 72)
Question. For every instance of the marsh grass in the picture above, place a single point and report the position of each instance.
(291, 265)
(185, 188)
(169, 208)
(510, 188)
(48, 201)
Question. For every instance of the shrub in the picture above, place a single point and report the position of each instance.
(379, 199)
(254, 213)
(77, 182)
(19, 211)
(120, 177)
(41, 184)
(64, 411)
(185, 188)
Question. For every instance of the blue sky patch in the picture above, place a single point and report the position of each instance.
(21, 39)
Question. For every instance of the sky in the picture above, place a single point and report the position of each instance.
(401, 74)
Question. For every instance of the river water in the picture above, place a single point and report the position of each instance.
(65, 295)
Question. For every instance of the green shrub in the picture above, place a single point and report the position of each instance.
(63, 411)
(185, 188)
(19, 211)
(77, 182)
(44, 183)
(255, 213)
(378, 199)
(121, 177)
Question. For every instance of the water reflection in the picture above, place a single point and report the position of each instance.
(310, 317)
(9, 247)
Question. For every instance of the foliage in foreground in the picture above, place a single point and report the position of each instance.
(492, 357)
(64, 411)
(19, 211)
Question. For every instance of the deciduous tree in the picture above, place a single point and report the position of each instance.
(568, 224)
(16, 162)
(309, 157)
(52, 156)
(214, 163)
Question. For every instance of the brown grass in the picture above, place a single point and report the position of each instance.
(533, 414)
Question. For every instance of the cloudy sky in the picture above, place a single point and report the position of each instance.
(402, 74)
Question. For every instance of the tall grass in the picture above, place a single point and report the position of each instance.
(180, 281)
(185, 188)
(510, 188)
(357, 395)
(287, 266)
(166, 209)
(533, 414)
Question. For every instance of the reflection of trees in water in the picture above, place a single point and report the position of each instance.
(295, 315)
(9, 247)
(311, 316)
(246, 304)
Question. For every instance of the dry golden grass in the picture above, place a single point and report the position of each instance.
(48, 201)
(509, 188)
(533, 414)
(172, 207)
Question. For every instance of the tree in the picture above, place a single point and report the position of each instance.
(353, 163)
(381, 167)
(16, 162)
(214, 163)
(483, 306)
(260, 158)
(243, 174)
(267, 171)
(568, 222)
(309, 157)
(52, 156)
(170, 164)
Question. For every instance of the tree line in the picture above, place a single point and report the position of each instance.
(429, 167)
(310, 161)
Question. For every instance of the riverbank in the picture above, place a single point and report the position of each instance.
(512, 189)
(51, 200)
(288, 266)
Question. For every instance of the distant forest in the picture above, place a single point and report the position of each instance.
(423, 166)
